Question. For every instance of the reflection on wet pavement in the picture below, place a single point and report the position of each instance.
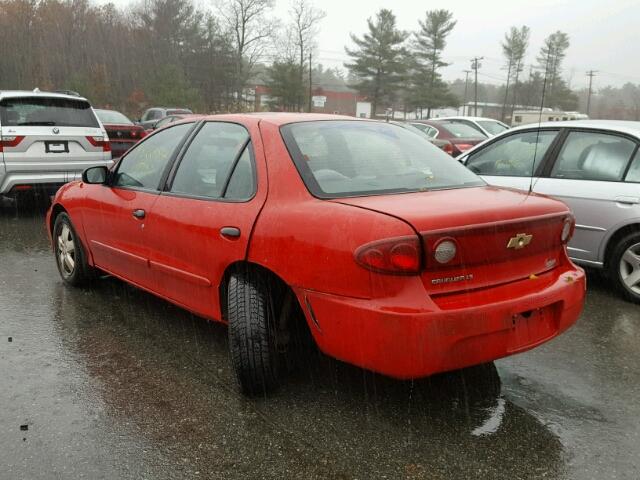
(114, 383)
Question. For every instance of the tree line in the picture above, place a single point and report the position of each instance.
(157, 52)
(173, 53)
(400, 69)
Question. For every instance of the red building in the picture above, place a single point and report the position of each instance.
(323, 101)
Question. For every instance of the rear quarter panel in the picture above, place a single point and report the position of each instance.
(309, 242)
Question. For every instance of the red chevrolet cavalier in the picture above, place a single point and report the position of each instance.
(399, 259)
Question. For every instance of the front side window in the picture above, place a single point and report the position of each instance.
(143, 166)
(351, 158)
(46, 111)
(516, 155)
(593, 156)
(218, 151)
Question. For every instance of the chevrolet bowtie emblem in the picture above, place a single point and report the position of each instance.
(521, 240)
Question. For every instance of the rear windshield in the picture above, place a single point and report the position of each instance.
(460, 130)
(494, 128)
(111, 116)
(355, 158)
(46, 111)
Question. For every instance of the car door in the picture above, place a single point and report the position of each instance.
(589, 175)
(203, 220)
(513, 160)
(115, 214)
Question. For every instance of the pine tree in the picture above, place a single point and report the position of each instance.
(379, 62)
(514, 49)
(428, 90)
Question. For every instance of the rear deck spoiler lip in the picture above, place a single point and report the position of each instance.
(499, 223)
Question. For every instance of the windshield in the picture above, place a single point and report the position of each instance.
(351, 158)
(460, 130)
(494, 128)
(46, 111)
(111, 116)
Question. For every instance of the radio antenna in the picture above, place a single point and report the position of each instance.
(535, 150)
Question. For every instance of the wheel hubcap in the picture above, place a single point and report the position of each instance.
(630, 268)
(66, 251)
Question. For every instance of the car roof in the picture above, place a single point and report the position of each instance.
(473, 119)
(37, 93)
(623, 126)
(281, 118)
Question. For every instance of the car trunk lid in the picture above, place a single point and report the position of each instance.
(500, 235)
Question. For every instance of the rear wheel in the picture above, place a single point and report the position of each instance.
(257, 334)
(624, 266)
(70, 256)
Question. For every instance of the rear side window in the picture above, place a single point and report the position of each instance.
(46, 111)
(351, 158)
(593, 156)
(516, 155)
(143, 166)
(218, 151)
(494, 128)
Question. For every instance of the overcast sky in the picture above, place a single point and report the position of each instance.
(604, 34)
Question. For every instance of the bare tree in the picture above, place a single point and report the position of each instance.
(305, 18)
(251, 28)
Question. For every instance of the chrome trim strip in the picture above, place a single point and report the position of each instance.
(590, 228)
(589, 263)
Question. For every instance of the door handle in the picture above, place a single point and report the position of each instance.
(230, 232)
(627, 200)
(138, 213)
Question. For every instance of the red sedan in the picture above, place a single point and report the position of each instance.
(393, 255)
(122, 132)
(458, 137)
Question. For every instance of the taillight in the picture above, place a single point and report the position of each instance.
(567, 229)
(398, 256)
(463, 147)
(100, 142)
(448, 148)
(8, 141)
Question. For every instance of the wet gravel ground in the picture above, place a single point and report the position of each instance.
(113, 383)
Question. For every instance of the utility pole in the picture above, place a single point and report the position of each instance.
(310, 83)
(475, 65)
(464, 99)
(590, 74)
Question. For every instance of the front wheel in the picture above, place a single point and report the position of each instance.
(70, 256)
(624, 266)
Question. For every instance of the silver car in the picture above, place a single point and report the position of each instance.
(594, 167)
(46, 140)
(487, 126)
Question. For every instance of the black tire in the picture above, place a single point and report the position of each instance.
(253, 332)
(624, 262)
(81, 273)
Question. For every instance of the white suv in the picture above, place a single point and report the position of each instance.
(47, 140)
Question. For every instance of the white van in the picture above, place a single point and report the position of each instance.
(47, 140)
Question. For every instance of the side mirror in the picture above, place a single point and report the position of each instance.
(95, 175)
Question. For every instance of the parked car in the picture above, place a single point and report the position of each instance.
(47, 139)
(123, 133)
(152, 115)
(444, 145)
(592, 166)
(393, 255)
(163, 122)
(489, 127)
(461, 137)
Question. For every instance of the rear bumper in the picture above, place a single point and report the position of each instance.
(13, 181)
(390, 337)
